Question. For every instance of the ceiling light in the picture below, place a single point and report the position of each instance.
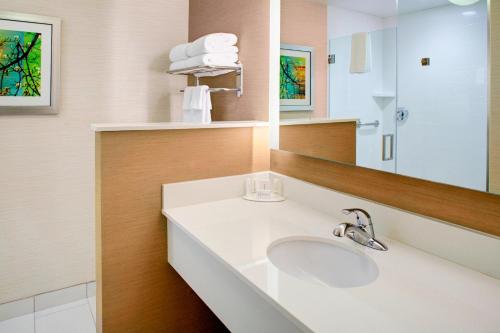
(463, 2)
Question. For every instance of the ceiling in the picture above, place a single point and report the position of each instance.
(387, 8)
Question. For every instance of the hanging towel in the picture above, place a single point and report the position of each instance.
(361, 53)
(179, 53)
(212, 43)
(197, 104)
(211, 59)
(198, 97)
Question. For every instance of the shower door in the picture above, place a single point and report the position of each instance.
(368, 97)
(442, 95)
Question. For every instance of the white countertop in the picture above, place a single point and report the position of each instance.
(313, 121)
(113, 127)
(414, 292)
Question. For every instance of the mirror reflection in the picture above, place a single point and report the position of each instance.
(398, 86)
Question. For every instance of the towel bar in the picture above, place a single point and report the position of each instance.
(219, 89)
(376, 123)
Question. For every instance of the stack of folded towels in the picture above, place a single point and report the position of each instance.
(211, 50)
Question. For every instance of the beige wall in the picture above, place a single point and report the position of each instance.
(304, 22)
(114, 57)
(250, 21)
(494, 121)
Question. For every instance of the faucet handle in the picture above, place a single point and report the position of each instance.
(363, 225)
(339, 230)
(357, 212)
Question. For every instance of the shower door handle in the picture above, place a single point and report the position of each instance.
(387, 147)
(402, 114)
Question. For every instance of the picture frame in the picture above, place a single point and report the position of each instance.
(296, 78)
(29, 63)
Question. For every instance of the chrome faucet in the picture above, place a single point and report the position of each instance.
(359, 233)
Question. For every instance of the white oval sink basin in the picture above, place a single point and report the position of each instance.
(323, 261)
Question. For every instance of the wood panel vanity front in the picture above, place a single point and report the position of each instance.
(137, 290)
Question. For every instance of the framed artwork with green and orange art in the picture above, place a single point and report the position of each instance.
(296, 78)
(29, 63)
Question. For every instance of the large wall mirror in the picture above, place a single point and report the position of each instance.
(409, 80)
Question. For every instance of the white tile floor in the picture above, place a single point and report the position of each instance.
(74, 317)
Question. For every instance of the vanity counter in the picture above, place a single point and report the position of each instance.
(113, 127)
(414, 292)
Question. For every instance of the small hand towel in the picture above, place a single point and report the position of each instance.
(197, 104)
(212, 43)
(179, 52)
(198, 98)
(361, 53)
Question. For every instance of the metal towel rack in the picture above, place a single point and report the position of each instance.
(375, 123)
(210, 71)
(219, 89)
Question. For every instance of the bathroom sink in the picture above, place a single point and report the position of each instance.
(322, 261)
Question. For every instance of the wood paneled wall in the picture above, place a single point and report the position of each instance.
(304, 22)
(249, 20)
(137, 290)
(494, 121)
(331, 141)
(467, 208)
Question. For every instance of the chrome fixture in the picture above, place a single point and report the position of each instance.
(359, 232)
(204, 71)
(375, 123)
(402, 114)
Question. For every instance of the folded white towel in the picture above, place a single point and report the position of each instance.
(212, 43)
(179, 52)
(225, 49)
(211, 59)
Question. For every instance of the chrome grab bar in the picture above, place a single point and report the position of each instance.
(376, 123)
